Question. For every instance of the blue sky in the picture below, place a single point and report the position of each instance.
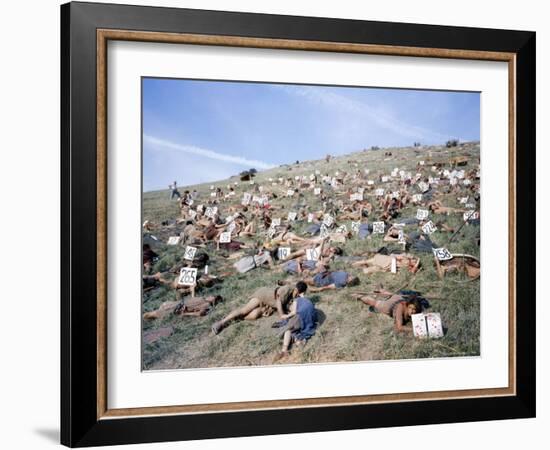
(203, 131)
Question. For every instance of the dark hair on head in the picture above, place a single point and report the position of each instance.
(353, 282)
(245, 209)
(217, 299)
(301, 286)
(416, 303)
(338, 251)
(146, 247)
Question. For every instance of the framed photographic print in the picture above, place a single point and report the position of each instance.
(277, 224)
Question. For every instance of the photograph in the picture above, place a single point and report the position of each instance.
(307, 224)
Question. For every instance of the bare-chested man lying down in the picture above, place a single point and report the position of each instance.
(382, 263)
(262, 304)
(399, 307)
(189, 306)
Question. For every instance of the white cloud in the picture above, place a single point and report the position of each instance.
(362, 110)
(160, 144)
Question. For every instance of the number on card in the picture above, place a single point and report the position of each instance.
(188, 277)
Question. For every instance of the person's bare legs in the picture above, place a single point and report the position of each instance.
(242, 312)
(287, 339)
(369, 301)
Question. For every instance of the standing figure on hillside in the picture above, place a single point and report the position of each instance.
(174, 191)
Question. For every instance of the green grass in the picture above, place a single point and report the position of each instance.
(348, 332)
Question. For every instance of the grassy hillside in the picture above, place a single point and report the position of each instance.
(347, 330)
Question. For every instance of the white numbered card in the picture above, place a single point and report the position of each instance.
(427, 325)
(467, 182)
(356, 197)
(343, 229)
(421, 163)
(417, 198)
(378, 227)
(370, 182)
(276, 222)
(312, 177)
(470, 205)
(310, 218)
(188, 277)
(442, 254)
(292, 216)
(246, 199)
(424, 187)
(212, 194)
(290, 193)
(173, 240)
(433, 322)
(379, 192)
(429, 227)
(283, 253)
(419, 326)
(225, 237)
(401, 237)
(312, 254)
(328, 220)
(396, 194)
(211, 211)
(190, 252)
(470, 215)
(463, 200)
(422, 214)
(355, 227)
(231, 227)
(271, 232)
(200, 208)
(385, 179)
(317, 191)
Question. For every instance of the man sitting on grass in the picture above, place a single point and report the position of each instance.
(328, 280)
(262, 304)
(301, 322)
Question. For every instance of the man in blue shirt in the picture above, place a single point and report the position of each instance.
(328, 280)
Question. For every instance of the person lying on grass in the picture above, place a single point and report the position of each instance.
(382, 263)
(262, 304)
(299, 324)
(328, 280)
(189, 306)
(398, 306)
